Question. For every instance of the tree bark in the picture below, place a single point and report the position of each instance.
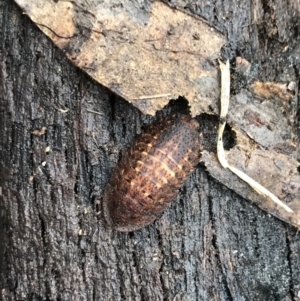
(54, 243)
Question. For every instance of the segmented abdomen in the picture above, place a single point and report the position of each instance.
(150, 174)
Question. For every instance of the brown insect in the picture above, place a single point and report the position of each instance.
(150, 174)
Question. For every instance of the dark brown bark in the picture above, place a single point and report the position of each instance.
(210, 245)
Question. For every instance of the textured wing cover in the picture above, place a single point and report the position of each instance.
(150, 174)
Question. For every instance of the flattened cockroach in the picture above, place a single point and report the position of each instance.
(151, 173)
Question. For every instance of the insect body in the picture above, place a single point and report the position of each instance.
(150, 174)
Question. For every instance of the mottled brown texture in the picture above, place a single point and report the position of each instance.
(150, 174)
(138, 50)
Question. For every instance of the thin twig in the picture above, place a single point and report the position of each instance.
(94, 112)
(152, 96)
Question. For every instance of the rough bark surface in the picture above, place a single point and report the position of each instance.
(54, 244)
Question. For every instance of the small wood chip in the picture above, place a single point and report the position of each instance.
(40, 132)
